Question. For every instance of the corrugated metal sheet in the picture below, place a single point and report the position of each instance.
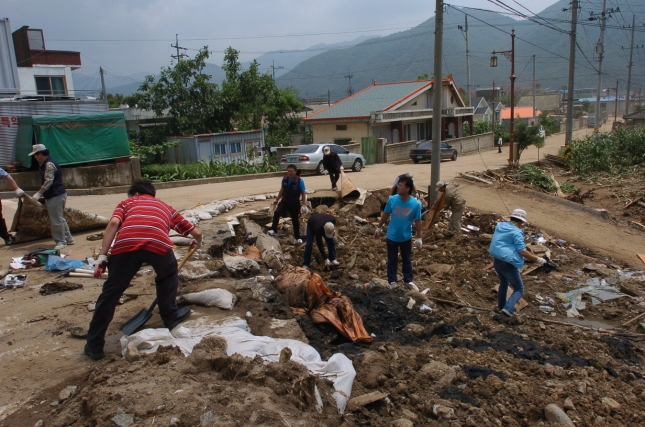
(224, 147)
(11, 110)
(9, 82)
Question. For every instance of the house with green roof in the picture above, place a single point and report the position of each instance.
(398, 112)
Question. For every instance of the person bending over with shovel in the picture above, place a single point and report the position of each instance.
(139, 228)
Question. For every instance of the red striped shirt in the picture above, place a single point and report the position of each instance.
(145, 224)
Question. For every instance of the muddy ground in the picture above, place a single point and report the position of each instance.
(460, 364)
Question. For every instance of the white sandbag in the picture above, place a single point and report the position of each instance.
(210, 298)
(260, 197)
(203, 215)
(241, 265)
(193, 220)
(235, 331)
(194, 270)
(181, 240)
(196, 213)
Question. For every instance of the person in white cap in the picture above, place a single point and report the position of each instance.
(54, 193)
(395, 185)
(321, 225)
(509, 252)
(333, 164)
(4, 233)
(454, 202)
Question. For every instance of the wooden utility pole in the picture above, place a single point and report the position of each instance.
(437, 88)
(600, 49)
(629, 67)
(572, 67)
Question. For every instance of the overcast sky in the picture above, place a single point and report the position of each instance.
(134, 36)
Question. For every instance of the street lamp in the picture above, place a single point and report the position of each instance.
(510, 55)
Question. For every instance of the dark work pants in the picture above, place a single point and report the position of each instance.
(3, 225)
(311, 236)
(122, 268)
(293, 209)
(393, 260)
(333, 177)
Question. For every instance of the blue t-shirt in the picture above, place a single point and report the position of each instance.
(3, 173)
(302, 184)
(507, 242)
(403, 214)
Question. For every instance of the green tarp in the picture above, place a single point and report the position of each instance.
(74, 138)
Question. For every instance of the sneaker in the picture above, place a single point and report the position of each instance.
(393, 285)
(92, 355)
(272, 233)
(296, 241)
(506, 312)
(9, 240)
(306, 267)
(71, 242)
(182, 314)
(412, 286)
(335, 263)
(61, 245)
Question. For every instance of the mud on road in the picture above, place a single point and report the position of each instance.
(460, 363)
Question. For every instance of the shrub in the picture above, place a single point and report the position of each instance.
(204, 169)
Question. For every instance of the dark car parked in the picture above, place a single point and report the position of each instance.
(423, 151)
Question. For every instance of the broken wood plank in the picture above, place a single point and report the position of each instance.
(642, 257)
(641, 204)
(639, 224)
(475, 178)
(634, 319)
(38, 319)
(558, 191)
(458, 304)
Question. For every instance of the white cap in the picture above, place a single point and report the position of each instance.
(326, 150)
(520, 215)
(36, 148)
(440, 184)
(408, 175)
(329, 230)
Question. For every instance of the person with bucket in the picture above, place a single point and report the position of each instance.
(139, 228)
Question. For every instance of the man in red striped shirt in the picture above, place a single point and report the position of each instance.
(139, 228)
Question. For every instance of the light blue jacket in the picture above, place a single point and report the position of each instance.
(508, 241)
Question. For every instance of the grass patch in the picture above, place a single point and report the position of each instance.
(210, 169)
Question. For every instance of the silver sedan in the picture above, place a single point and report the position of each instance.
(309, 158)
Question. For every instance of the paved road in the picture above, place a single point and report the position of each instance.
(372, 177)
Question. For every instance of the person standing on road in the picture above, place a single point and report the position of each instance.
(4, 233)
(499, 145)
(509, 252)
(139, 228)
(454, 202)
(405, 211)
(321, 225)
(395, 185)
(54, 193)
(333, 164)
(292, 200)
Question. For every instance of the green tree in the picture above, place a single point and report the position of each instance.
(525, 136)
(114, 101)
(586, 106)
(423, 76)
(551, 124)
(190, 98)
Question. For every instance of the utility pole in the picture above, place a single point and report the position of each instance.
(629, 67)
(616, 103)
(464, 30)
(572, 68)
(176, 46)
(510, 55)
(273, 67)
(437, 88)
(328, 98)
(600, 49)
(534, 109)
(349, 76)
(104, 92)
(493, 120)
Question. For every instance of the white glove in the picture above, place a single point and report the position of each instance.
(379, 231)
(418, 243)
(19, 192)
(304, 210)
(327, 263)
(342, 168)
(540, 261)
(38, 196)
(99, 266)
(197, 243)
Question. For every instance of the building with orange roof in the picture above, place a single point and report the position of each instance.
(398, 112)
(521, 113)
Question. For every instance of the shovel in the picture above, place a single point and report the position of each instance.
(144, 315)
(347, 188)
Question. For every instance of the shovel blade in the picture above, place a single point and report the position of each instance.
(139, 320)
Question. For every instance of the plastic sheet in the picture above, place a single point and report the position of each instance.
(56, 263)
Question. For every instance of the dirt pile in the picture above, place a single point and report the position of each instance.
(442, 356)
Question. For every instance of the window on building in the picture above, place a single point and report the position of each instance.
(219, 149)
(341, 127)
(48, 85)
(421, 131)
(407, 132)
(36, 39)
(236, 147)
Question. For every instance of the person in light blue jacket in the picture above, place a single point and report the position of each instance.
(509, 252)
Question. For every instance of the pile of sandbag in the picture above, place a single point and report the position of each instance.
(306, 293)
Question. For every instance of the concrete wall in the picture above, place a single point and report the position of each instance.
(398, 151)
(105, 175)
(469, 144)
(354, 147)
(327, 131)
